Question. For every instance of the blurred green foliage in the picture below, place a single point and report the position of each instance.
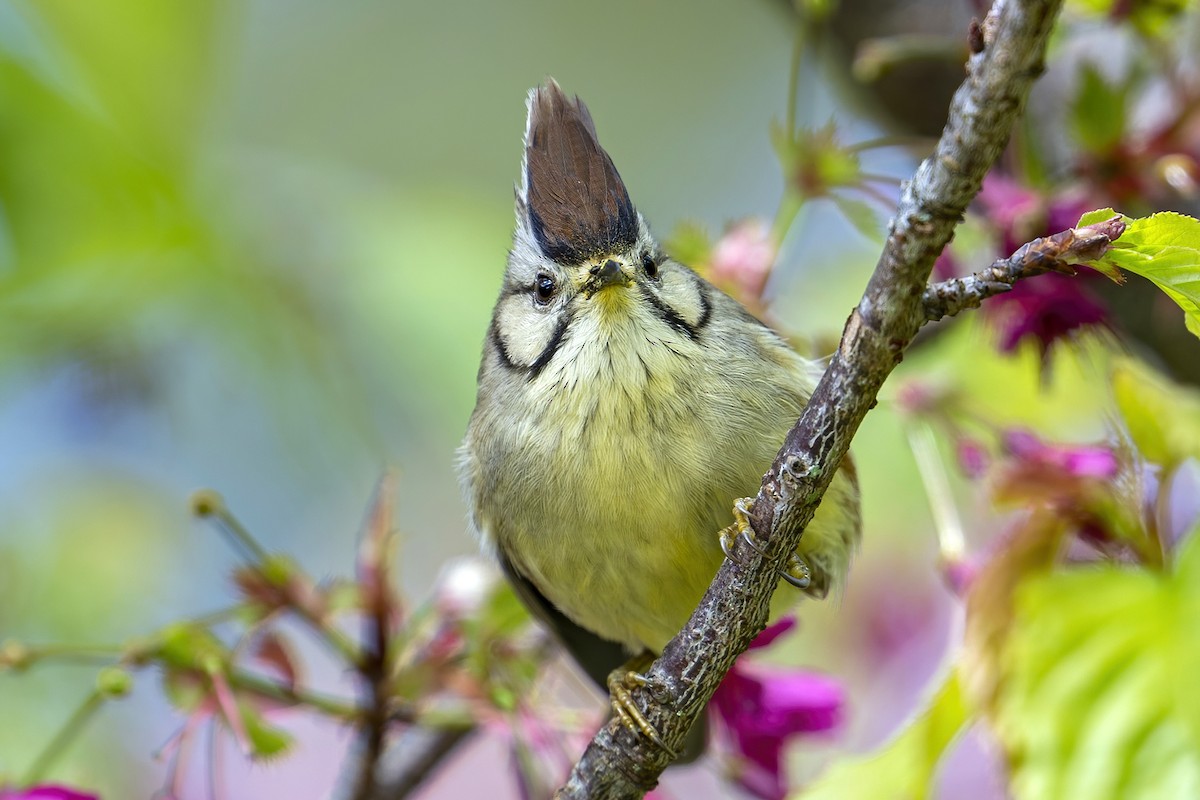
(189, 252)
(1098, 700)
(907, 767)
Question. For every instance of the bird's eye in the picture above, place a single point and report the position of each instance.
(544, 288)
(649, 264)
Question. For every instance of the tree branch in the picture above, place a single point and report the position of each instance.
(1057, 253)
(621, 764)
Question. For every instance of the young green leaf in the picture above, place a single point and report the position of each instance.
(1165, 249)
(1098, 112)
(906, 766)
(861, 215)
(1098, 696)
(1163, 418)
(266, 741)
(1092, 217)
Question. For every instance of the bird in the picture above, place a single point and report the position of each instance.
(624, 405)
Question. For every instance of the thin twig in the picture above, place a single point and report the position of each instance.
(407, 764)
(946, 522)
(1057, 253)
(381, 605)
(65, 736)
(622, 764)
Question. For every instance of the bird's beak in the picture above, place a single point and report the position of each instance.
(603, 275)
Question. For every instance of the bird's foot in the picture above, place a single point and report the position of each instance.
(796, 572)
(621, 681)
(740, 528)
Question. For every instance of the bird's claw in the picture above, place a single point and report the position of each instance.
(741, 528)
(797, 572)
(620, 682)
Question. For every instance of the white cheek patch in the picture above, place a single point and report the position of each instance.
(683, 295)
(528, 335)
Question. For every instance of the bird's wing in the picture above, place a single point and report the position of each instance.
(598, 657)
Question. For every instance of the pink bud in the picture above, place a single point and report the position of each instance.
(45, 792)
(972, 457)
(742, 259)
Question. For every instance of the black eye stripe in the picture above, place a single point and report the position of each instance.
(551, 347)
(501, 347)
(543, 358)
(705, 305)
(673, 318)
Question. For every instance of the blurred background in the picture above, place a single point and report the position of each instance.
(254, 247)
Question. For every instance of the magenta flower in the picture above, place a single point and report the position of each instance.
(1081, 461)
(1020, 214)
(1052, 306)
(1014, 210)
(773, 632)
(1044, 310)
(761, 707)
(45, 792)
(946, 266)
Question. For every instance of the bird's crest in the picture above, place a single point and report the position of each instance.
(578, 206)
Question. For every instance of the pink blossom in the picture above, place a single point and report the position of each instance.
(1082, 461)
(959, 574)
(45, 792)
(972, 457)
(742, 259)
(916, 399)
(1064, 210)
(1012, 209)
(773, 632)
(761, 707)
(1020, 214)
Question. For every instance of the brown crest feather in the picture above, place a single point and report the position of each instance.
(578, 206)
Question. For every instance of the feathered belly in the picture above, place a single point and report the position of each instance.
(620, 533)
(613, 499)
(630, 568)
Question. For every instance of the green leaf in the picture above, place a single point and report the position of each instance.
(266, 741)
(1100, 215)
(1163, 418)
(690, 244)
(183, 645)
(502, 615)
(1159, 18)
(1099, 696)
(1164, 248)
(184, 690)
(1187, 573)
(1098, 112)
(905, 767)
(861, 215)
(1155, 18)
